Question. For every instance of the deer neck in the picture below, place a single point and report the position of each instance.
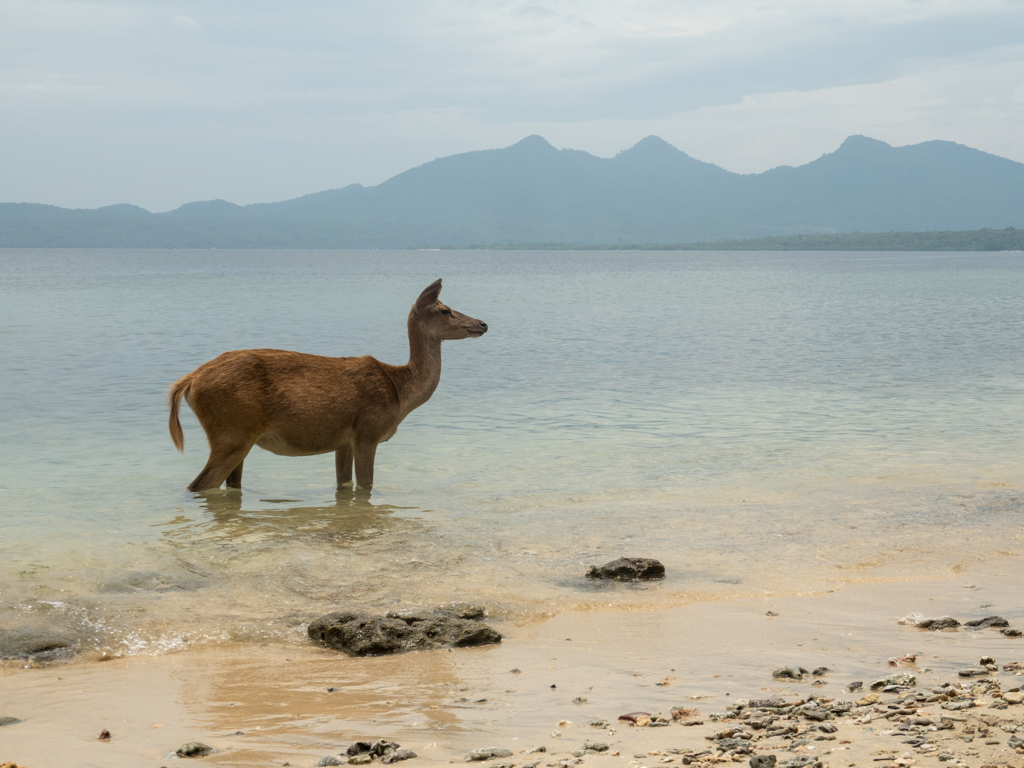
(423, 371)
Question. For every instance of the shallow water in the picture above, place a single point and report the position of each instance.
(760, 422)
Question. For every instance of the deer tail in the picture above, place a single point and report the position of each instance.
(178, 390)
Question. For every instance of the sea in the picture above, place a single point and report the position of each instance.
(763, 423)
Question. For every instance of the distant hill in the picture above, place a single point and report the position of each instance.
(533, 193)
(1009, 239)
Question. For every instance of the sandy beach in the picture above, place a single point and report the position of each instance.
(550, 681)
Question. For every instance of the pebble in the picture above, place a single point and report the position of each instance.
(398, 755)
(789, 673)
(8, 721)
(487, 753)
(194, 749)
(628, 569)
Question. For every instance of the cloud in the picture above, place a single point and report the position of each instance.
(121, 100)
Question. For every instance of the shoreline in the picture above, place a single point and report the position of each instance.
(270, 704)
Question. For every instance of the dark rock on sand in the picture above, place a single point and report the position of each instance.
(628, 569)
(8, 721)
(819, 671)
(940, 622)
(359, 748)
(360, 634)
(329, 760)
(1012, 632)
(988, 621)
(799, 761)
(24, 644)
(902, 678)
(789, 673)
(194, 749)
(487, 753)
(763, 761)
(973, 672)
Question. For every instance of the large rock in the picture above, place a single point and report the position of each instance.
(628, 569)
(44, 646)
(360, 634)
(988, 621)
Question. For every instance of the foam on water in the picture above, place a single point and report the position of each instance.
(759, 422)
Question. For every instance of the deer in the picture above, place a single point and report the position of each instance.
(297, 404)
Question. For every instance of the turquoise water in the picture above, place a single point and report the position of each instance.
(757, 421)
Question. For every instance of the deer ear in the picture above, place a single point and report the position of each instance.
(429, 295)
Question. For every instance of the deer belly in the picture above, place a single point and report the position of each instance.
(280, 446)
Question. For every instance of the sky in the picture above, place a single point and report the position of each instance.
(161, 103)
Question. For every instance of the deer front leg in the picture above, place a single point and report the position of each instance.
(365, 454)
(343, 465)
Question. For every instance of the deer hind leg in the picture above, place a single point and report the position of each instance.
(343, 465)
(235, 478)
(225, 462)
(365, 454)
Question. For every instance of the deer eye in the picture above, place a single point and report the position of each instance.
(446, 312)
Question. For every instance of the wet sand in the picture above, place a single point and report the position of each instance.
(270, 705)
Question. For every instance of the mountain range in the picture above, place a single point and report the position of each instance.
(533, 193)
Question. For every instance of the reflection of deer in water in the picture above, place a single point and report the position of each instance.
(294, 404)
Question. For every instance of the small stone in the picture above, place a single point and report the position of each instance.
(864, 701)
(685, 713)
(383, 747)
(819, 671)
(855, 686)
(487, 753)
(398, 755)
(771, 613)
(973, 672)
(763, 761)
(903, 678)
(595, 746)
(799, 761)
(362, 759)
(8, 721)
(359, 748)
(104, 735)
(194, 749)
(579, 700)
(628, 569)
(940, 622)
(632, 717)
(1012, 632)
(1013, 697)
(986, 660)
(790, 673)
(329, 760)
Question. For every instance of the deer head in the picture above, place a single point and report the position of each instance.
(442, 322)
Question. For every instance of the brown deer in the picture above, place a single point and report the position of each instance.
(294, 404)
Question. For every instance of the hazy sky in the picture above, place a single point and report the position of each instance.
(160, 103)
